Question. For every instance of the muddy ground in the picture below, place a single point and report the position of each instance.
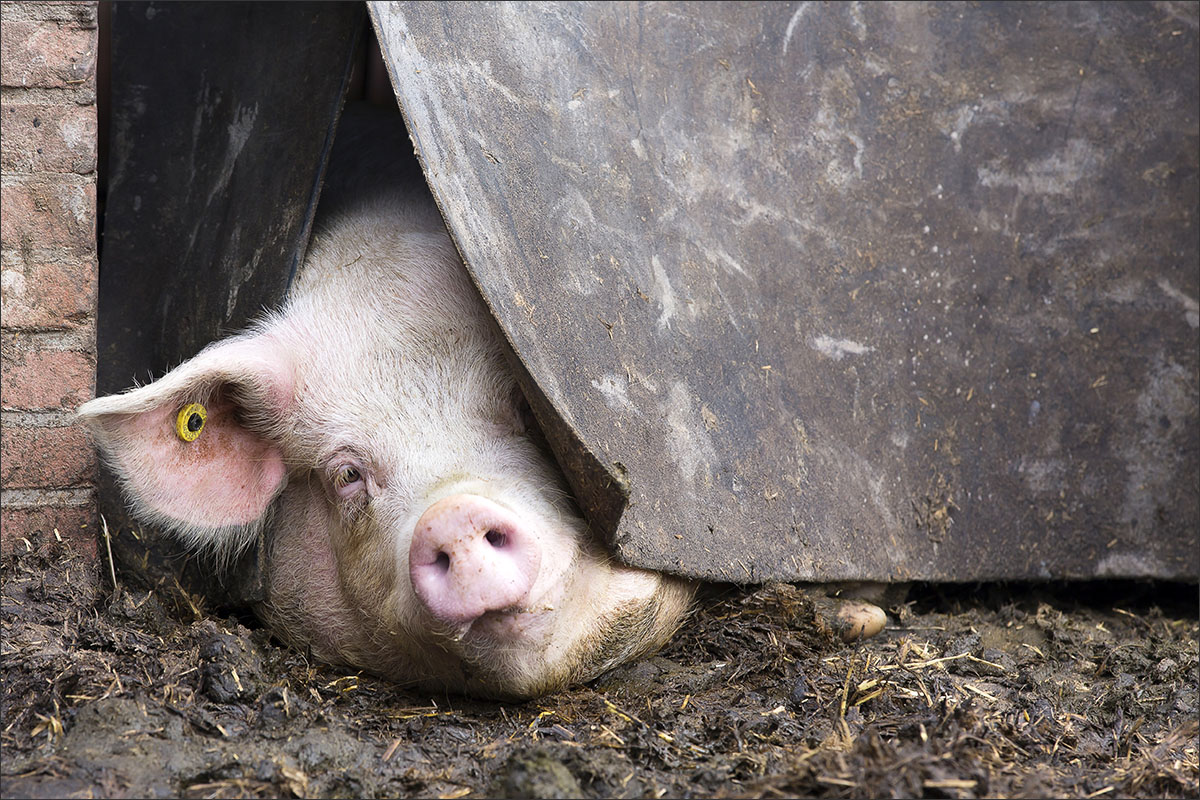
(1070, 691)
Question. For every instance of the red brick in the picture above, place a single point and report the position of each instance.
(40, 380)
(45, 54)
(54, 295)
(45, 458)
(45, 212)
(78, 525)
(48, 138)
(82, 15)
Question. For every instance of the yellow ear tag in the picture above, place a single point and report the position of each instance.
(190, 421)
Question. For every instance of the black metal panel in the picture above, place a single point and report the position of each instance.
(222, 116)
(837, 291)
(222, 119)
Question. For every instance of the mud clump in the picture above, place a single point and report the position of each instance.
(536, 774)
(223, 655)
(995, 690)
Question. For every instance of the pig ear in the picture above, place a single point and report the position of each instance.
(198, 450)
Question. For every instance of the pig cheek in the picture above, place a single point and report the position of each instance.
(227, 467)
(306, 601)
(368, 570)
(320, 595)
(633, 614)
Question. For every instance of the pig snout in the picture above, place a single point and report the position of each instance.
(469, 556)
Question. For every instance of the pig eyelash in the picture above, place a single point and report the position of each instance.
(347, 481)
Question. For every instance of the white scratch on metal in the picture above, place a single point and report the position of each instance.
(791, 26)
(837, 349)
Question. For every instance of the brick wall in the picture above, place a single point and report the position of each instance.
(48, 130)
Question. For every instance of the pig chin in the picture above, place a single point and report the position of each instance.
(503, 628)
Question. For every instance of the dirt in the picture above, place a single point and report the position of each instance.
(1085, 690)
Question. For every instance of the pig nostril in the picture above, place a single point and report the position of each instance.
(470, 556)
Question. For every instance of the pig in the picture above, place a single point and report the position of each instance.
(372, 430)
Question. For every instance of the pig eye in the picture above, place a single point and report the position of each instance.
(346, 480)
(190, 422)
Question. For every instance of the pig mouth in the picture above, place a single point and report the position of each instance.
(507, 626)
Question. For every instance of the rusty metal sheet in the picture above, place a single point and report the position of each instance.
(837, 291)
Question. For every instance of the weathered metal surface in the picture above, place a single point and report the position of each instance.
(837, 291)
(222, 115)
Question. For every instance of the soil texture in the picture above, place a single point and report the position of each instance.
(1081, 690)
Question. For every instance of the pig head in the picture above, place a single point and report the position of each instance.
(418, 530)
